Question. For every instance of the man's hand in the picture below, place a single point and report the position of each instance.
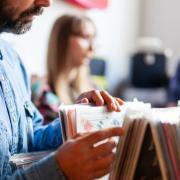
(79, 159)
(100, 98)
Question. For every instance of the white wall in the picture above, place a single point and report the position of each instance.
(161, 18)
(117, 31)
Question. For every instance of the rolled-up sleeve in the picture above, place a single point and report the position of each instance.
(21, 125)
(46, 137)
(45, 169)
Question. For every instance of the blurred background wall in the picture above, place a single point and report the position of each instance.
(118, 30)
(161, 18)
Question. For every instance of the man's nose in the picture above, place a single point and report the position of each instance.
(43, 3)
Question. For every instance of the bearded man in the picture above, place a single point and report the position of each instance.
(21, 127)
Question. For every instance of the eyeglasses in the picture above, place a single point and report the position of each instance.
(86, 40)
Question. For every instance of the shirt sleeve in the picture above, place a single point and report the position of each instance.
(45, 169)
(46, 137)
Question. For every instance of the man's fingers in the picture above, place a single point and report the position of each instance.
(97, 98)
(112, 103)
(120, 101)
(108, 100)
(95, 137)
(93, 96)
(117, 106)
(100, 98)
(99, 174)
(79, 135)
(83, 100)
(103, 165)
(103, 149)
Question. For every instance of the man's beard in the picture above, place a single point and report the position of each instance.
(19, 25)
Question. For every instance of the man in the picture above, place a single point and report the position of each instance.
(21, 127)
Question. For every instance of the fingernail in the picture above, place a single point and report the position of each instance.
(113, 106)
(118, 108)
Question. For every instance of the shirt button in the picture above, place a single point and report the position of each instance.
(13, 117)
(26, 105)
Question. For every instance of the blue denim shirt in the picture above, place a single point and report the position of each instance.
(21, 127)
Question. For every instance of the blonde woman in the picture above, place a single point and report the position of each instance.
(71, 46)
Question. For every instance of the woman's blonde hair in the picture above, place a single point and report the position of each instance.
(64, 27)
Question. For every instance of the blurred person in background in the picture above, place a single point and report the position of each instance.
(71, 46)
